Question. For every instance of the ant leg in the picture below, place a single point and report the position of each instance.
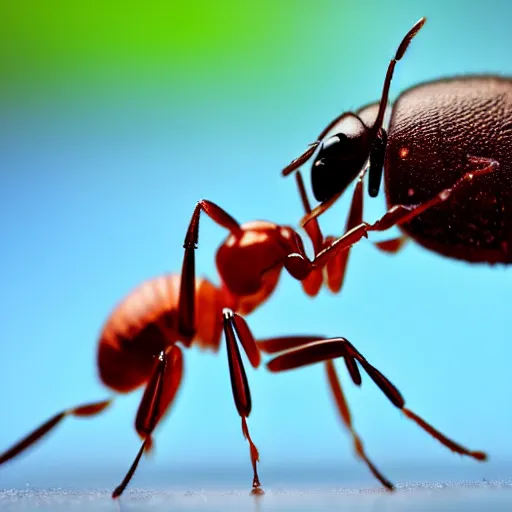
(81, 411)
(313, 228)
(186, 307)
(126, 480)
(236, 327)
(159, 394)
(332, 251)
(300, 266)
(281, 344)
(277, 344)
(394, 396)
(393, 245)
(341, 402)
(327, 349)
(399, 214)
(274, 345)
(313, 282)
(336, 266)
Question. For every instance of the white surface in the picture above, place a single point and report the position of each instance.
(495, 496)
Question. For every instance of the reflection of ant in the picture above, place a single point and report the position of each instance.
(257, 503)
(139, 343)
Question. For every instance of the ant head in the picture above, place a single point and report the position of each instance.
(340, 158)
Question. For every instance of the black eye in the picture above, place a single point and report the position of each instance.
(340, 158)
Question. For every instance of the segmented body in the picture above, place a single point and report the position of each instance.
(146, 323)
(433, 128)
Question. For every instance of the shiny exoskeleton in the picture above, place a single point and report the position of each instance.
(142, 341)
(433, 129)
(445, 148)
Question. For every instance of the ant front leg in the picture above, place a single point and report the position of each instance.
(311, 273)
(395, 216)
(401, 214)
(337, 265)
(313, 282)
(159, 394)
(186, 307)
(328, 349)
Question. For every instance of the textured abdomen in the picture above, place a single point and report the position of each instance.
(146, 322)
(141, 326)
(433, 129)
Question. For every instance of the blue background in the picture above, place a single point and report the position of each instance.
(96, 192)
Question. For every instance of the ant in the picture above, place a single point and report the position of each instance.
(142, 341)
(441, 136)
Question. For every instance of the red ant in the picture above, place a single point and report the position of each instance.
(139, 342)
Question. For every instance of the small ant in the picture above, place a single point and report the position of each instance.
(142, 341)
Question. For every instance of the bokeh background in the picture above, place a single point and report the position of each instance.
(115, 119)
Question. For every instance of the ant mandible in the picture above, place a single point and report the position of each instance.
(140, 341)
(441, 136)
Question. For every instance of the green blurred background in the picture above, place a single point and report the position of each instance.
(192, 48)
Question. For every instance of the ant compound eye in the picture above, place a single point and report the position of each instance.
(340, 158)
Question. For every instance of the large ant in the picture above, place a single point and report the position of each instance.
(441, 136)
